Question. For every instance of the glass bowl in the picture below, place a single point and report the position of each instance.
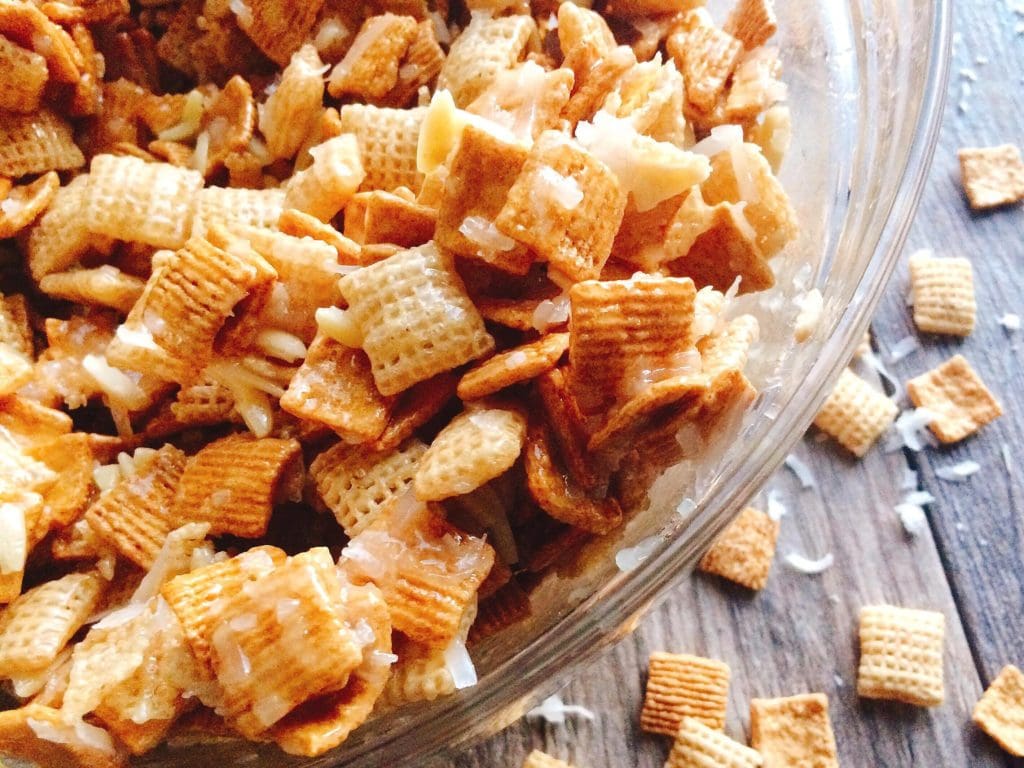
(866, 84)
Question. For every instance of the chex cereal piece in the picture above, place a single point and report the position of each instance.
(226, 126)
(773, 134)
(232, 207)
(300, 224)
(901, 655)
(855, 413)
(36, 143)
(23, 23)
(538, 759)
(36, 626)
(568, 427)
(680, 685)
(584, 37)
(793, 731)
(384, 217)
(15, 370)
(482, 172)
(743, 552)
(24, 203)
(71, 458)
(771, 214)
(387, 142)
(756, 85)
(130, 199)
(232, 483)
(61, 235)
(289, 114)
(513, 366)
(414, 408)
(39, 735)
(171, 329)
(324, 188)
(752, 22)
(566, 205)
(136, 515)
(419, 67)
(625, 334)
(559, 495)
(434, 573)
(31, 424)
(992, 176)
(370, 68)
(474, 448)
(958, 398)
(357, 485)
(696, 746)
(705, 56)
(592, 90)
(942, 291)
(486, 46)
(415, 317)
(15, 326)
(197, 598)
(335, 387)
(105, 286)
(24, 76)
(278, 28)
(1000, 711)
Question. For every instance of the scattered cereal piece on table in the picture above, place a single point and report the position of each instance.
(743, 552)
(697, 746)
(855, 414)
(793, 731)
(680, 685)
(942, 291)
(992, 176)
(538, 759)
(1000, 711)
(958, 398)
(901, 655)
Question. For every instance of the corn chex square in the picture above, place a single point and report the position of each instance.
(36, 143)
(1000, 711)
(791, 731)
(942, 291)
(901, 655)
(370, 68)
(957, 397)
(565, 205)
(743, 552)
(855, 413)
(697, 746)
(415, 317)
(387, 144)
(487, 46)
(992, 176)
(680, 686)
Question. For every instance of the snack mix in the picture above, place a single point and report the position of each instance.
(328, 326)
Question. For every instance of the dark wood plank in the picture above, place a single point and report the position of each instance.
(799, 634)
(978, 524)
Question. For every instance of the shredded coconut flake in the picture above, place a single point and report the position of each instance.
(799, 468)
(1004, 449)
(912, 517)
(959, 471)
(722, 137)
(909, 481)
(686, 508)
(911, 430)
(905, 346)
(629, 558)
(551, 312)
(482, 231)
(805, 565)
(460, 665)
(1010, 321)
(776, 509)
(554, 710)
(875, 363)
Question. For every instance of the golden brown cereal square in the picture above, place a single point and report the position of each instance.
(24, 203)
(19, 740)
(36, 143)
(335, 387)
(743, 552)
(370, 68)
(513, 366)
(706, 56)
(584, 37)
(568, 428)
(326, 185)
(435, 573)
(773, 134)
(289, 114)
(233, 483)
(31, 424)
(566, 205)
(130, 199)
(901, 655)
(752, 22)
(793, 731)
(70, 457)
(527, 99)
(1000, 711)
(387, 142)
(36, 626)
(415, 317)
(942, 291)
(474, 448)
(625, 335)
(756, 85)
(384, 217)
(24, 76)
(15, 324)
(680, 685)
(697, 745)
(957, 397)
(61, 235)
(419, 67)
(15, 370)
(486, 46)
(357, 484)
(278, 27)
(992, 176)
(538, 759)
(855, 413)
(136, 515)
(281, 641)
(483, 170)
(233, 207)
(105, 286)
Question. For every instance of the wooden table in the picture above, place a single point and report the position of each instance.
(799, 634)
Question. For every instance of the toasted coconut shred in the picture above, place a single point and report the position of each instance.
(806, 565)
(555, 711)
(959, 471)
(801, 470)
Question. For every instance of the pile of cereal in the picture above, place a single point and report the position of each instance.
(470, 302)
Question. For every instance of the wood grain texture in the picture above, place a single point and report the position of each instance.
(799, 634)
